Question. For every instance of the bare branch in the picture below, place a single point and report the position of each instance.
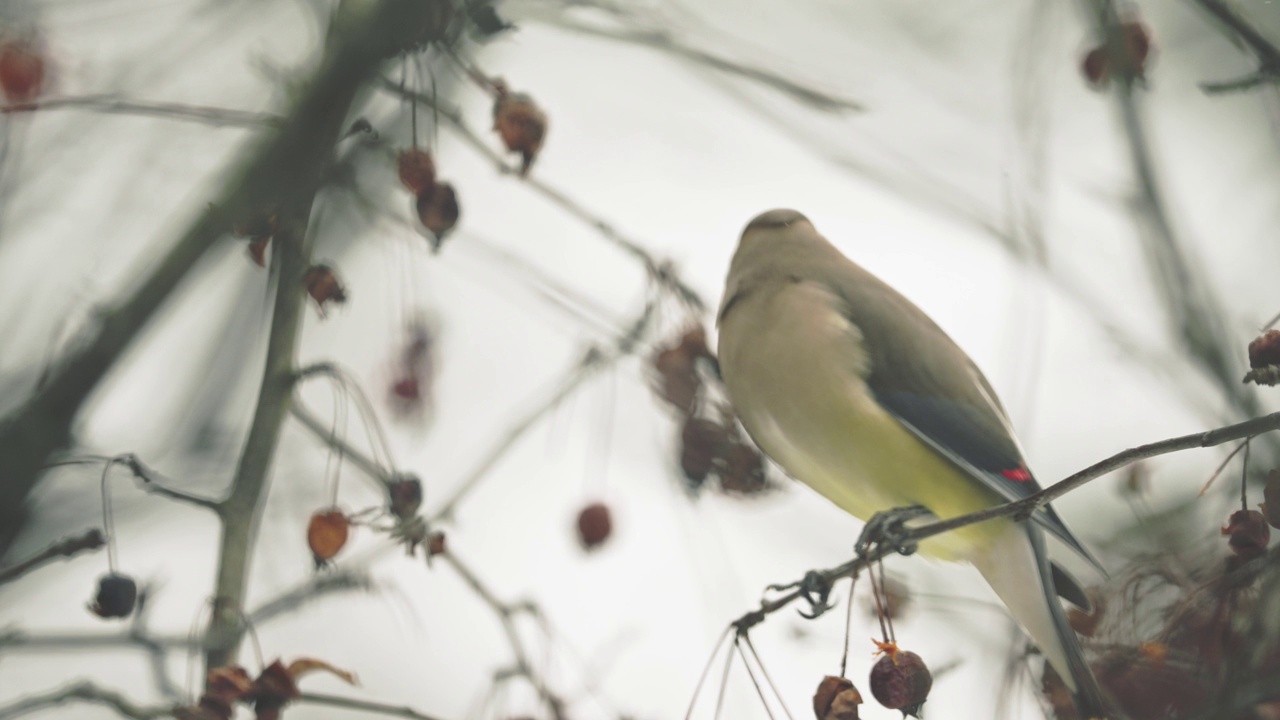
(89, 693)
(347, 703)
(506, 612)
(1022, 509)
(1267, 53)
(335, 580)
(594, 360)
(1191, 304)
(663, 41)
(66, 547)
(287, 162)
(206, 115)
(657, 269)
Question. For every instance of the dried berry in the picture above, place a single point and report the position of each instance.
(406, 496)
(1094, 66)
(1098, 64)
(438, 211)
(406, 389)
(21, 70)
(436, 544)
(417, 171)
(702, 443)
(836, 699)
(694, 343)
(116, 598)
(1247, 533)
(900, 680)
(521, 124)
(1265, 350)
(323, 286)
(743, 471)
(678, 381)
(327, 533)
(1271, 499)
(595, 524)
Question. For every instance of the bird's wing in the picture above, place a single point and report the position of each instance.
(926, 382)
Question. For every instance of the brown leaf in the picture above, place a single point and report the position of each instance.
(836, 699)
(306, 666)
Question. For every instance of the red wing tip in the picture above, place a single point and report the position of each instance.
(1020, 474)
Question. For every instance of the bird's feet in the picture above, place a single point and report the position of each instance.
(814, 589)
(889, 529)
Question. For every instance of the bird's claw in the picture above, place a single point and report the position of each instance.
(815, 589)
(889, 529)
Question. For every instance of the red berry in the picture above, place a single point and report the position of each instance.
(595, 525)
(327, 533)
(417, 170)
(21, 71)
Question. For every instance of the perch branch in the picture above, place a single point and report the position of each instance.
(1022, 509)
(64, 548)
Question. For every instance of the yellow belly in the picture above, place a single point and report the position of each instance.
(796, 384)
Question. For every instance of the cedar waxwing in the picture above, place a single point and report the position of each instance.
(853, 390)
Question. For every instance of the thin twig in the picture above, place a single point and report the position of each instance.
(593, 361)
(656, 268)
(1267, 53)
(149, 480)
(506, 612)
(347, 703)
(206, 115)
(89, 693)
(663, 40)
(64, 548)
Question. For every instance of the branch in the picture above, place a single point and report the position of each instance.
(151, 481)
(66, 547)
(346, 703)
(1021, 510)
(663, 41)
(658, 270)
(1267, 53)
(85, 691)
(524, 667)
(215, 116)
(594, 360)
(1190, 303)
(286, 162)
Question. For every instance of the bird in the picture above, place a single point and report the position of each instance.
(853, 390)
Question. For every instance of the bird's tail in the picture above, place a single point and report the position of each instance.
(1017, 568)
